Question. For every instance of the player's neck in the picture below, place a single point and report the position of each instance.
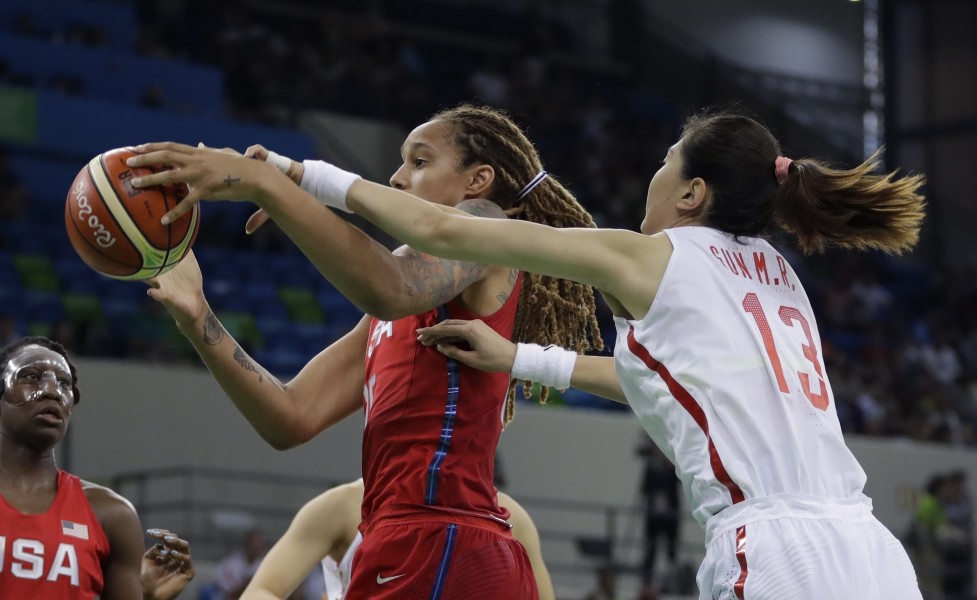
(22, 467)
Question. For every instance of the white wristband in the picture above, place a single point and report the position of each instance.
(551, 366)
(328, 183)
(282, 163)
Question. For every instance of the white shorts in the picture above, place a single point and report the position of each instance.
(788, 547)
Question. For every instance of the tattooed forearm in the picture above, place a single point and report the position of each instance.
(213, 330)
(228, 181)
(245, 362)
(248, 365)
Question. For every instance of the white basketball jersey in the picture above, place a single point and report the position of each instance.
(726, 375)
(337, 575)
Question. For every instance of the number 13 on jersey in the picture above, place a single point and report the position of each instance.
(789, 316)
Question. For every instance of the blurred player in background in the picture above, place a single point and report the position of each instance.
(719, 354)
(60, 536)
(431, 523)
(326, 530)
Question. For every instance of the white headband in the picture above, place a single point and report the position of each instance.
(532, 184)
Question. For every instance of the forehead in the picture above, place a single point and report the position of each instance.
(432, 133)
(39, 356)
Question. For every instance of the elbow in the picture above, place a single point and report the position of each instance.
(386, 308)
(390, 312)
(287, 438)
(281, 444)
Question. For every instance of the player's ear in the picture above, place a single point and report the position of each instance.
(695, 197)
(480, 180)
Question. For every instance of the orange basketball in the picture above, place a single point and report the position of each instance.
(115, 227)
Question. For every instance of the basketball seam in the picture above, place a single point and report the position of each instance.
(169, 233)
(187, 240)
(134, 233)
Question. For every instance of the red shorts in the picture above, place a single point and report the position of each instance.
(440, 558)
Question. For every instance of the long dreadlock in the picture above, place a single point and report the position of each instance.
(550, 310)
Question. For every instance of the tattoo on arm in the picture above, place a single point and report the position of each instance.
(245, 362)
(513, 278)
(213, 330)
(432, 281)
(228, 181)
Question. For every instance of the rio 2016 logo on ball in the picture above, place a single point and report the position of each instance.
(115, 227)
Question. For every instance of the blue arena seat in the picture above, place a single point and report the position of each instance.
(117, 76)
(47, 180)
(42, 306)
(114, 22)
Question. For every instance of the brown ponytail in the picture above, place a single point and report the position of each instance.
(736, 156)
(856, 208)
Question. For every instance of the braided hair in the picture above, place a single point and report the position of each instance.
(550, 310)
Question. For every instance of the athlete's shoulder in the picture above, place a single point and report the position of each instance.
(340, 504)
(107, 504)
(340, 497)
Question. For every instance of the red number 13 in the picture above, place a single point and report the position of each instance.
(788, 315)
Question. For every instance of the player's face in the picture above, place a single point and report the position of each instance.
(430, 167)
(38, 397)
(664, 192)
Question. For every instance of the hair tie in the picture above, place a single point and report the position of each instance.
(532, 184)
(780, 166)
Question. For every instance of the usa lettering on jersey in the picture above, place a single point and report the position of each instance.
(383, 329)
(27, 560)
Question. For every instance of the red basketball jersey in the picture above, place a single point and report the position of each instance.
(432, 424)
(56, 554)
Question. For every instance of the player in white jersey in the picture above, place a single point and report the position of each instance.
(719, 354)
(325, 530)
(336, 574)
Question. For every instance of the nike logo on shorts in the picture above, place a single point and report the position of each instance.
(383, 580)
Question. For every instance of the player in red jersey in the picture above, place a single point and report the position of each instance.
(432, 526)
(62, 537)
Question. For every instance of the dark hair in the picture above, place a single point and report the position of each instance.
(551, 310)
(819, 205)
(35, 340)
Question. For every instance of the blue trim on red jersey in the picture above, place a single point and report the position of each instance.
(449, 547)
(447, 426)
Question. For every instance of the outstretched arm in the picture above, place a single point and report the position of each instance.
(326, 391)
(381, 283)
(323, 527)
(486, 350)
(591, 256)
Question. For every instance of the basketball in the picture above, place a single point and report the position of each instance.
(116, 229)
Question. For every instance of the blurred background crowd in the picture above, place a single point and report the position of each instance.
(599, 89)
(900, 334)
